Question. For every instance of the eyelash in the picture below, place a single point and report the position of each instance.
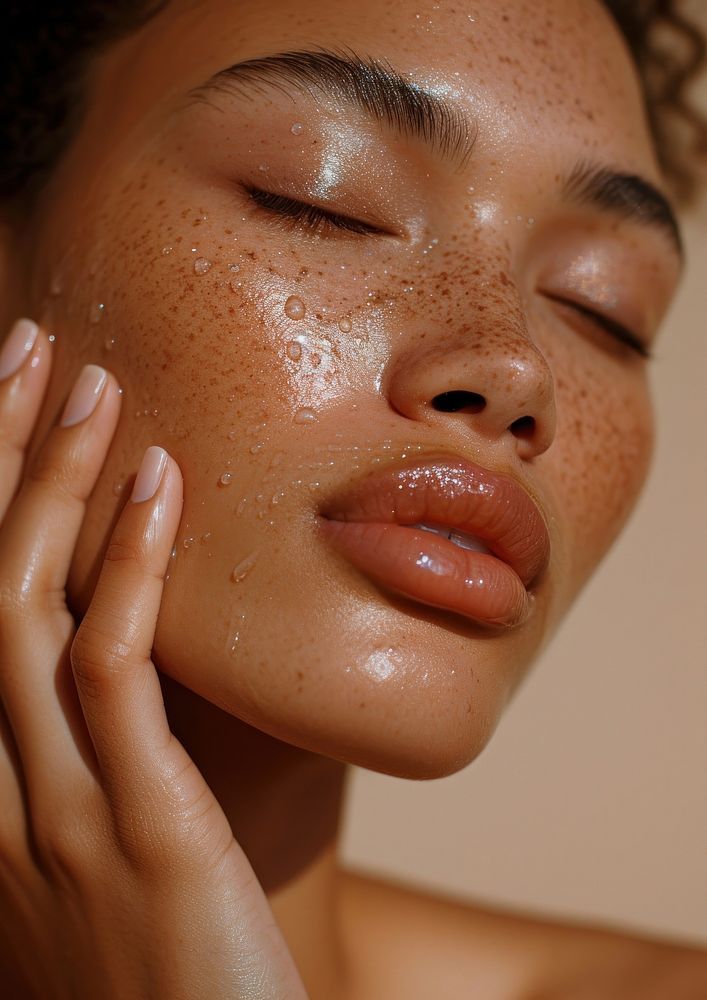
(319, 220)
(617, 330)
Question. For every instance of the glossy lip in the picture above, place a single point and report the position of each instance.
(367, 522)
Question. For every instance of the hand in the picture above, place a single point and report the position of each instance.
(119, 874)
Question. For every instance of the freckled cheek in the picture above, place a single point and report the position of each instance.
(602, 456)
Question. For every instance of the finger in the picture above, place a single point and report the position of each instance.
(37, 540)
(116, 682)
(25, 361)
(40, 529)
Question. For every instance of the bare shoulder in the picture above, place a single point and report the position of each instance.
(416, 945)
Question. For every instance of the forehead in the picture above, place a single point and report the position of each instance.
(547, 71)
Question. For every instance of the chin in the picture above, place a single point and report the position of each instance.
(381, 682)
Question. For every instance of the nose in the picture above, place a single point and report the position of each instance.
(497, 387)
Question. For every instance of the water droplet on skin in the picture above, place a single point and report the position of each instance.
(244, 567)
(167, 250)
(56, 285)
(205, 537)
(52, 338)
(263, 168)
(294, 350)
(225, 479)
(255, 448)
(234, 267)
(173, 553)
(97, 310)
(188, 542)
(241, 506)
(236, 285)
(232, 435)
(295, 308)
(345, 324)
(118, 488)
(305, 415)
(201, 265)
(109, 343)
(297, 128)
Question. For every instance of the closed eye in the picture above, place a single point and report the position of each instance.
(310, 217)
(617, 330)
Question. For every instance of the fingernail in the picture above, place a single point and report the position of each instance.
(149, 475)
(18, 347)
(84, 396)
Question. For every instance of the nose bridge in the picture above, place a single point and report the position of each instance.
(477, 370)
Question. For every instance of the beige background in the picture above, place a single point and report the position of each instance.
(591, 799)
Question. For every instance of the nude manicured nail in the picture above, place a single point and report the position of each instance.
(84, 396)
(18, 347)
(149, 475)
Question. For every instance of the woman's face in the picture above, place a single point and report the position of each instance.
(282, 356)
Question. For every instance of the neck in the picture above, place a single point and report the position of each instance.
(284, 806)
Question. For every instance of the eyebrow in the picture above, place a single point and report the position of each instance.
(377, 89)
(371, 85)
(624, 195)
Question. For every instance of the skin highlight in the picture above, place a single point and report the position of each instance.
(148, 255)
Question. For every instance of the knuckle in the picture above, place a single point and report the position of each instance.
(58, 473)
(159, 837)
(151, 844)
(95, 658)
(127, 549)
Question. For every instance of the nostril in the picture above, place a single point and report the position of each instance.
(459, 401)
(523, 428)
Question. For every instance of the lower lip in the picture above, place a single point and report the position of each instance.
(431, 569)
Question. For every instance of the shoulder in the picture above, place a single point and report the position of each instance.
(415, 944)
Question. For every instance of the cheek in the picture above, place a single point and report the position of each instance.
(601, 455)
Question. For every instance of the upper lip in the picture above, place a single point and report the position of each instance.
(456, 493)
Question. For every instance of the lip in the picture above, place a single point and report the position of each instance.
(369, 524)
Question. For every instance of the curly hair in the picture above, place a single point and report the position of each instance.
(669, 50)
(39, 111)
